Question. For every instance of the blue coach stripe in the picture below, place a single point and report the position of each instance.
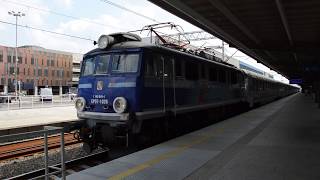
(83, 86)
(122, 84)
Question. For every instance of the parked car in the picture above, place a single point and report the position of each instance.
(46, 94)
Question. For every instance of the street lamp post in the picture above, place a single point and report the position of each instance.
(16, 14)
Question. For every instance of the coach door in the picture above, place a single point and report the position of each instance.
(168, 82)
(158, 82)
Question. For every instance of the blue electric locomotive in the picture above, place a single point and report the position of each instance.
(125, 83)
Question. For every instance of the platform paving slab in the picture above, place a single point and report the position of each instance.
(286, 148)
(35, 117)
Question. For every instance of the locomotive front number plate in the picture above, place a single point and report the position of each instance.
(99, 99)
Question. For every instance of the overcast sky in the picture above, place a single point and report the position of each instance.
(93, 18)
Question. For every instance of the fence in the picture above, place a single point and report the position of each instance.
(28, 102)
(34, 134)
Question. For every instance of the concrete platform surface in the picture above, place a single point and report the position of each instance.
(38, 116)
(280, 140)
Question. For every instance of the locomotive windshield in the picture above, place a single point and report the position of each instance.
(96, 65)
(102, 64)
(88, 67)
(125, 63)
(120, 63)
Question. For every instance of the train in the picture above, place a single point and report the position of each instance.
(126, 84)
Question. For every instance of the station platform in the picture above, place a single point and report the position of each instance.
(280, 140)
(16, 120)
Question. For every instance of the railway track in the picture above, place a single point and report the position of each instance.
(32, 146)
(72, 166)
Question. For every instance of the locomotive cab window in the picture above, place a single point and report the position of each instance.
(102, 64)
(125, 63)
(88, 67)
(95, 65)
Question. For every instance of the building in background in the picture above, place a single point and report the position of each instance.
(76, 61)
(37, 67)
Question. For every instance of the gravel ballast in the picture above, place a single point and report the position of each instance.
(14, 167)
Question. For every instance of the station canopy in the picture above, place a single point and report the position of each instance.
(282, 34)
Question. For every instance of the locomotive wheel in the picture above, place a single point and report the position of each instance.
(87, 147)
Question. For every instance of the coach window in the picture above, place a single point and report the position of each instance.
(168, 66)
(239, 77)
(222, 76)
(253, 84)
(213, 74)
(178, 68)
(191, 70)
(158, 65)
(233, 78)
(148, 68)
(203, 71)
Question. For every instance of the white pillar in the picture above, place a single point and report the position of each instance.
(36, 90)
(5, 89)
(60, 90)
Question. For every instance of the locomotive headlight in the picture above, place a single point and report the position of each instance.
(80, 103)
(104, 41)
(119, 104)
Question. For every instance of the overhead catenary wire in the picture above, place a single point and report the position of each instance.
(129, 10)
(47, 31)
(82, 19)
(232, 55)
(61, 14)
